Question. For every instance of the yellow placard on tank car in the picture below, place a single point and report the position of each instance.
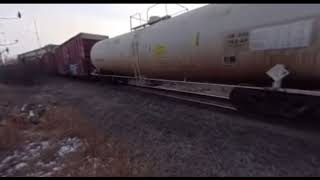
(159, 50)
(195, 39)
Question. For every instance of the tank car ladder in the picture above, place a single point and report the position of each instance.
(137, 74)
(136, 65)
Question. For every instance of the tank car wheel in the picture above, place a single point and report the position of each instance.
(118, 81)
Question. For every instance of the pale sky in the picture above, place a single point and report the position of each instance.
(58, 22)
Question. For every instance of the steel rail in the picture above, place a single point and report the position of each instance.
(285, 90)
(220, 102)
(188, 96)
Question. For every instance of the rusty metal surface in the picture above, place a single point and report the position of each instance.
(38, 53)
(76, 52)
(195, 46)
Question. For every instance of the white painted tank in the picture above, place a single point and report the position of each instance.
(236, 42)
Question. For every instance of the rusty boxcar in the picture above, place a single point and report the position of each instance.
(73, 56)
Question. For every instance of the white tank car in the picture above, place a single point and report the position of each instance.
(230, 43)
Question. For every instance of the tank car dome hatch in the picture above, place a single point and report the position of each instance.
(154, 19)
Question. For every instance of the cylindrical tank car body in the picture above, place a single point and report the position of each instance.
(220, 43)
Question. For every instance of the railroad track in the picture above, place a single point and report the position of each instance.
(180, 95)
(223, 103)
(216, 102)
(188, 96)
(263, 101)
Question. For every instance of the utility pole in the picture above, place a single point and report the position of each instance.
(37, 36)
(15, 42)
(2, 60)
(37, 33)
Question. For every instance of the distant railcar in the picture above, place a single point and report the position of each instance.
(73, 56)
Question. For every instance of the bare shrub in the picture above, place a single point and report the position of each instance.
(98, 156)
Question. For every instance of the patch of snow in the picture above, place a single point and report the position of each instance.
(23, 108)
(15, 153)
(31, 151)
(20, 165)
(31, 114)
(25, 158)
(69, 145)
(45, 144)
(31, 145)
(110, 160)
(35, 174)
(52, 163)
(56, 168)
(19, 157)
(46, 174)
(10, 171)
(7, 159)
(40, 163)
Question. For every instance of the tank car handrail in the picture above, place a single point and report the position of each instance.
(139, 18)
(183, 7)
(177, 13)
(147, 22)
(134, 17)
(166, 9)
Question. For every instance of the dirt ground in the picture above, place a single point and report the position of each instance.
(108, 130)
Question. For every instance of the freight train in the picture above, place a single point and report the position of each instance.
(233, 43)
(259, 45)
(71, 58)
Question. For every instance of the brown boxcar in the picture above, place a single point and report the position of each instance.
(37, 53)
(32, 62)
(26, 70)
(73, 56)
